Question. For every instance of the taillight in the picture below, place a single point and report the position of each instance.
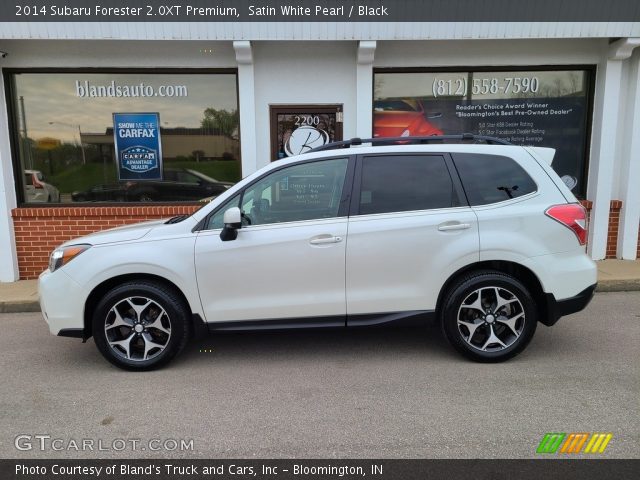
(573, 216)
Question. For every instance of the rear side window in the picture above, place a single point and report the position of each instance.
(492, 178)
(405, 182)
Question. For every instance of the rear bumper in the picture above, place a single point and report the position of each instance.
(566, 306)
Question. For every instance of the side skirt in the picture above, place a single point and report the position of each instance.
(411, 318)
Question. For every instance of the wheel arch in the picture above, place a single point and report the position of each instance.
(517, 270)
(102, 288)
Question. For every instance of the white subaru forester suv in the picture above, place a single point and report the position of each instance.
(480, 235)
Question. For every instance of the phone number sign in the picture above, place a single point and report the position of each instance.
(138, 147)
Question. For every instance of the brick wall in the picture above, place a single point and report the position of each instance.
(614, 222)
(588, 204)
(39, 230)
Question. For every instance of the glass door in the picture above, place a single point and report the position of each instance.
(296, 129)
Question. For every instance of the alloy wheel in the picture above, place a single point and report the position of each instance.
(137, 328)
(491, 319)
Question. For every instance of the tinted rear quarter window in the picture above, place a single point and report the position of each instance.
(492, 178)
(399, 183)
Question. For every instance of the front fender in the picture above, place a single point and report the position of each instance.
(171, 259)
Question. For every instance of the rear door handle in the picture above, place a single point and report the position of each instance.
(324, 239)
(447, 227)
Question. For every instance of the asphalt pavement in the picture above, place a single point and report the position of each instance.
(324, 394)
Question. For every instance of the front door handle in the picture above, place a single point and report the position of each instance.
(324, 239)
(447, 227)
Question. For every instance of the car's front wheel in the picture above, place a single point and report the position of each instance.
(489, 316)
(140, 325)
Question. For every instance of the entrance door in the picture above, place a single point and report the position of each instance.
(296, 129)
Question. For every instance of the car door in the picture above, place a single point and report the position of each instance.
(175, 185)
(410, 228)
(288, 260)
(188, 186)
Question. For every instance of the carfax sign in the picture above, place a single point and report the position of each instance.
(137, 144)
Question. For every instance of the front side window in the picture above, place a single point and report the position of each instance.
(217, 219)
(125, 136)
(492, 178)
(307, 191)
(405, 183)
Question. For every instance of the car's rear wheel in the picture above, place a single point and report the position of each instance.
(140, 325)
(489, 316)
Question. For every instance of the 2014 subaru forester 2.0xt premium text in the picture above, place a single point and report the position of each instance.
(480, 235)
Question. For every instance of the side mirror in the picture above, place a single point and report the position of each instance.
(232, 222)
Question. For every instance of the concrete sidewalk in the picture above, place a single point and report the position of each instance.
(613, 276)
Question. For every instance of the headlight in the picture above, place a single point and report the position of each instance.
(62, 256)
(406, 133)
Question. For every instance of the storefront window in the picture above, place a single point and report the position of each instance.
(125, 137)
(547, 108)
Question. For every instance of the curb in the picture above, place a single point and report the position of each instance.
(19, 306)
(630, 285)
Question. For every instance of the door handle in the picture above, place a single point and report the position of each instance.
(447, 227)
(324, 239)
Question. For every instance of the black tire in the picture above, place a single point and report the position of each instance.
(176, 321)
(470, 343)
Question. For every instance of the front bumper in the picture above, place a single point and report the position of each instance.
(567, 306)
(61, 302)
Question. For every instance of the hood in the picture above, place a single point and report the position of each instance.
(118, 234)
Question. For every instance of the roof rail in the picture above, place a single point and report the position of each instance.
(410, 140)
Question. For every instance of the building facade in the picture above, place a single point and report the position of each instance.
(229, 98)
